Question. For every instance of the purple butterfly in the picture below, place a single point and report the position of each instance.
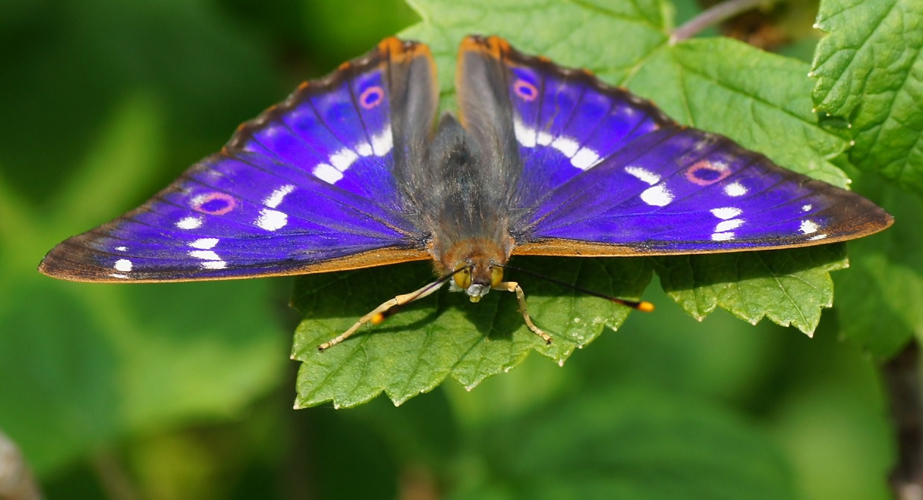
(354, 171)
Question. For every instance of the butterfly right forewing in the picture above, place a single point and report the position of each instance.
(310, 185)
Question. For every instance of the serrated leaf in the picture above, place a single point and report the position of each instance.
(869, 72)
(878, 301)
(790, 287)
(446, 335)
(717, 84)
(653, 446)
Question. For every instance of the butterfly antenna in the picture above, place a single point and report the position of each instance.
(382, 316)
(643, 306)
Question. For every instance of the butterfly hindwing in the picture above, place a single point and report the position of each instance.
(563, 121)
(307, 186)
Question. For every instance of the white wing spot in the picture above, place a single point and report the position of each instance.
(806, 208)
(364, 149)
(584, 159)
(525, 135)
(566, 145)
(271, 220)
(658, 196)
(726, 212)
(735, 189)
(722, 236)
(122, 249)
(123, 265)
(382, 143)
(343, 158)
(327, 173)
(212, 260)
(273, 200)
(204, 255)
(818, 237)
(643, 175)
(543, 138)
(808, 227)
(189, 223)
(728, 225)
(204, 243)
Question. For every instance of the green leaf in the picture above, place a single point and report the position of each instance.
(878, 300)
(716, 84)
(446, 334)
(788, 286)
(869, 72)
(655, 445)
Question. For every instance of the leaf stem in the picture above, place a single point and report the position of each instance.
(713, 16)
(902, 383)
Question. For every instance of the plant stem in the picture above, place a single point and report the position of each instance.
(902, 381)
(713, 16)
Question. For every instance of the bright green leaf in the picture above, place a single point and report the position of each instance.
(716, 84)
(790, 287)
(869, 72)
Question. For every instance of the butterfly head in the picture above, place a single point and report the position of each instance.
(477, 266)
(476, 279)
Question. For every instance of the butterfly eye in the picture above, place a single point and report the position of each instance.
(496, 276)
(462, 275)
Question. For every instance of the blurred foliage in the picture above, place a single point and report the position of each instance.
(184, 391)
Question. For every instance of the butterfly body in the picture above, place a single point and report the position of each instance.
(353, 170)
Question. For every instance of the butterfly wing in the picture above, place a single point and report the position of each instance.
(307, 186)
(605, 173)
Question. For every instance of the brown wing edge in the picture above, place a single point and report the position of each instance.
(72, 261)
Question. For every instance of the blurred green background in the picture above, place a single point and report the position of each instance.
(185, 391)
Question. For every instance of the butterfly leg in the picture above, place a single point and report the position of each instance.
(379, 314)
(512, 286)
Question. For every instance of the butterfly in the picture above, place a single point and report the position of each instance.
(354, 170)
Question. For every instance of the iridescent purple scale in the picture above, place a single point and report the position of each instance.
(565, 124)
